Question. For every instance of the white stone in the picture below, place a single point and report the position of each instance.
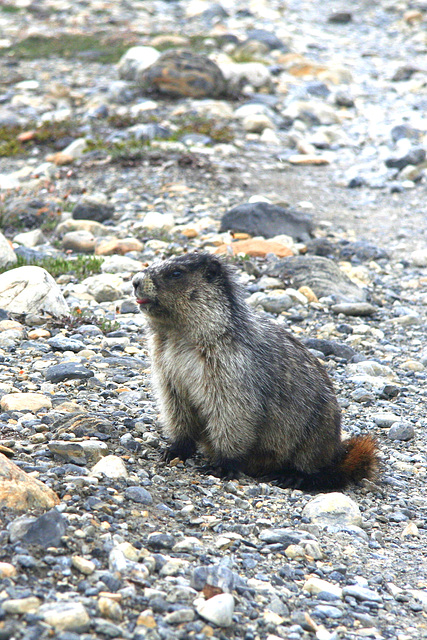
(76, 148)
(70, 616)
(8, 181)
(256, 123)
(218, 609)
(31, 290)
(30, 238)
(157, 220)
(136, 59)
(120, 264)
(254, 73)
(333, 508)
(370, 368)
(419, 258)
(111, 466)
(105, 287)
(7, 254)
(269, 136)
(317, 585)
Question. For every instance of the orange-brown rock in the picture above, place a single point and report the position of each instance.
(21, 492)
(256, 248)
(111, 246)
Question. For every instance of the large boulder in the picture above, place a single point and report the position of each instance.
(31, 289)
(21, 492)
(181, 73)
(320, 274)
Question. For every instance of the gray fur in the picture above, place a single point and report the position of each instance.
(237, 385)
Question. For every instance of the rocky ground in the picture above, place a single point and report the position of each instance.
(293, 139)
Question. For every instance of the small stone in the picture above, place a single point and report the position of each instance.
(354, 309)
(180, 616)
(361, 593)
(138, 494)
(419, 258)
(104, 287)
(83, 565)
(67, 371)
(108, 608)
(83, 453)
(286, 536)
(219, 609)
(46, 530)
(414, 157)
(79, 241)
(7, 570)
(401, 431)
(333, 508)
(112, 467)
(159, 540)
(32, 402)
(135, 60)
(156, 220)
(62, 343)
(340, 17)
(308, 159)
(385, 419)
(275, 301)
(30, 238)
(65, 616)
(118, 245)
(93, 208)
(21, 605)
(316, 585)
(146, 620)
(257, 248)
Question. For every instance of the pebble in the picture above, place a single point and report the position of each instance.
(139, 494)
(219, 609)
(402, 430)
(65, 616)
(333, 508)
(112, 467)
(68, 370)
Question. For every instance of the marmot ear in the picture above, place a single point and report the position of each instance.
(213, 270)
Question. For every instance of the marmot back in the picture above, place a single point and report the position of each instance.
(239, 386)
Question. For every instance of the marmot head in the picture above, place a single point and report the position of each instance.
(196, 287)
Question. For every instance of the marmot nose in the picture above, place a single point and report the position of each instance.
(136, 280)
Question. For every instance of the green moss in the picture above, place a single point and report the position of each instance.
(100, 46)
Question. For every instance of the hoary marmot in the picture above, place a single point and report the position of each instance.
(238, 385)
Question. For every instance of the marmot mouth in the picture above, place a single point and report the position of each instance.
(143, 301)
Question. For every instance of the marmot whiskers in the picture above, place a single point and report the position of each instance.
(239, 386)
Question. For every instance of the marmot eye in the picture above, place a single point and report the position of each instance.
(176, 273)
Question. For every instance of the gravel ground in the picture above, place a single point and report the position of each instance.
(131, 547)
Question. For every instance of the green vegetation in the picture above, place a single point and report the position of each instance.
(102, 47)
(217, 130)
(81, 266)
(9, 8)
(46, 134)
